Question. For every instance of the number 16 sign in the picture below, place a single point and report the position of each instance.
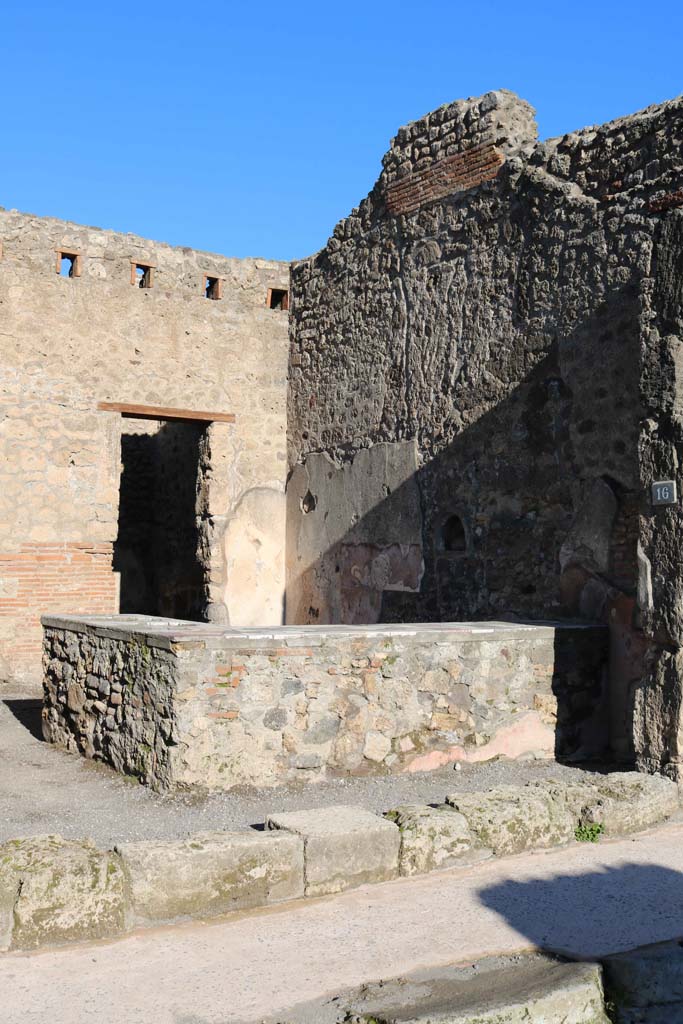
(664, 492)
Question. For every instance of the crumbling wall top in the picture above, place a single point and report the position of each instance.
(499, 118)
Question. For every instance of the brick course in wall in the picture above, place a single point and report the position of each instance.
(39, 578)
(451, 174)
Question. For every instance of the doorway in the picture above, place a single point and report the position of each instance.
(160, 550)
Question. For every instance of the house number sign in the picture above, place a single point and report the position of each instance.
(664, 492)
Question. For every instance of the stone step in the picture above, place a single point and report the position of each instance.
(646, 984)
(524, 989)
(671, 1014)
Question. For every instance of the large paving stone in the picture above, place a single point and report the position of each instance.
(59, 891)
(343, 846)
(509, 819)
(527, 989)
(212, 873)
(630, 802)
(646, 977)
(432, 838)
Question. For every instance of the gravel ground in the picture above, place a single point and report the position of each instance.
(45, 790)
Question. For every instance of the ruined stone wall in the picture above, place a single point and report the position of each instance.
(481, 325)
(179, 704)
(69, 343)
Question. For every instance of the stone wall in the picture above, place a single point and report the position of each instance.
(181, 704)
(70, 343)
(499, 325)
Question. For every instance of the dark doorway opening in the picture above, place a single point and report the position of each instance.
(160, 549)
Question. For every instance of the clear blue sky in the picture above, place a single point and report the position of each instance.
(252, 128)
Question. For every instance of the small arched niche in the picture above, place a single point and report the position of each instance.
(452, 538)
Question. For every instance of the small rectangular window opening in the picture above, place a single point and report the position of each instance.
(142, 274)
(277, 298)
(213, 287)
(68, 263)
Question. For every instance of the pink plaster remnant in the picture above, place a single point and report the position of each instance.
(526, 734)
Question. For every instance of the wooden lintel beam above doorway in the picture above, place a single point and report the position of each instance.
(160, 412)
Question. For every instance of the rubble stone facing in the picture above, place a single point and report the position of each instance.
(525, 336)
(211, 873)
(54, 891)
(196, 705)
(344, 847)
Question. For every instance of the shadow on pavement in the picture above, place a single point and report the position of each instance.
(27, 711)
(593, 914)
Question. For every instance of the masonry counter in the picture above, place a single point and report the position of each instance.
(195, 705)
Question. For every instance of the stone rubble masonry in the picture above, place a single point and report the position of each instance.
(211, 873)
(54, 891)
(344, 847)
(669, 201)
(196, 705)
(515, 351)
(70, 344)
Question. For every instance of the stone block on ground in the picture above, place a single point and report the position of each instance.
(343, 847)
(61, 891)
(212, 873)
(433, 838)
(510, 819)
(646, 977)
(630, 802)
(525, 989)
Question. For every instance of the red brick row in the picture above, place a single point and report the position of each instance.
(451, 174)
(71, 577)
(667, 202)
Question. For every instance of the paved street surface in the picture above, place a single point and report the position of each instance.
(586, 900)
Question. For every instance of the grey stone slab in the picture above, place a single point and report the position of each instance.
(630, 802)
(510, 819)
(62, 891)
(433, 838)
(647, 976)
(526, 989)
(343, 847)
(212, 873)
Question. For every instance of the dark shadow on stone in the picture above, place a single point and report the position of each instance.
(28, 713)
(547, 499)
(588, 916)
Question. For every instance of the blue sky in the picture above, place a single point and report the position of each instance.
(251, 129)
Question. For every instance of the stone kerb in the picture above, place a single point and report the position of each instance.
(211, 873)
(196, 705)
(343, 847)
(55, 891)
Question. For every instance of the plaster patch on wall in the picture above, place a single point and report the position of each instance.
(354, 533)
(253, 543)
